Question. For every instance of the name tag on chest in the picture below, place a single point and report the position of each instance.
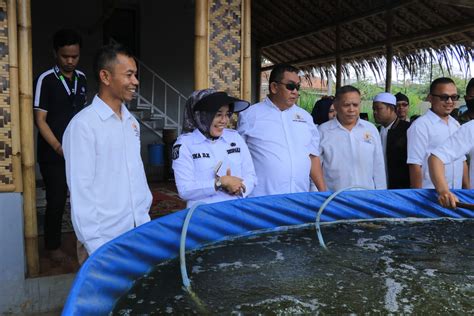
(201, 155)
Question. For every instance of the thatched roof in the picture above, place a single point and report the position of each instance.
(423, 32)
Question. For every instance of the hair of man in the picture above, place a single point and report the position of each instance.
(345, 89)
(106, 56)
(440, 81)
(279, 70)
(66, 37)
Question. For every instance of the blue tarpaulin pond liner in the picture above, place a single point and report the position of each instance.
(111, 271)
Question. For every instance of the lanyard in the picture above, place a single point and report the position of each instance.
(63, 81)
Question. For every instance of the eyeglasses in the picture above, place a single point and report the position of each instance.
(445, 97)
(290, 86)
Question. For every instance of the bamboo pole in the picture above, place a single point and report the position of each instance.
(14, 96)
(27, 144)
(246, 84)
(7, 188)
(201, 45)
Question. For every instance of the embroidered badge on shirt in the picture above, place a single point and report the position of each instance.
(233, 150)
(135, 129)
(299, 118)
(367, 137)
(175, 152)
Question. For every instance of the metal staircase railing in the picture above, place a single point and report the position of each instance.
(158, 104)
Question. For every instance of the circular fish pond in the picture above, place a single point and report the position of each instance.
(395, 266)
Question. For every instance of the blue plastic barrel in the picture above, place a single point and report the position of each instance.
(156, 154)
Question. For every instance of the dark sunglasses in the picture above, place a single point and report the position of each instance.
(290, 86)
(445, 97)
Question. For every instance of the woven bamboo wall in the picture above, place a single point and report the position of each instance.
(225, 18)
(6, 169)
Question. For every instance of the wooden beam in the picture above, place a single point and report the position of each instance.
(343, 20)
(389, 55)
(27, 140)
(397, 41)
(338, 58)
(458, 3)
(258, 80)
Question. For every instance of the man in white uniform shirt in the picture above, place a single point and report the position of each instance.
(282, 138)
(431, 130)
(454, 148)
(393, 133)
(105, 175)
(351, 150)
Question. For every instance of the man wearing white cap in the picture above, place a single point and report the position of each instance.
(431, 130)
(351, 151)
(393, 133)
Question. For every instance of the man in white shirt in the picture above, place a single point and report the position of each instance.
(431, 130)
(393, 133)
(454, 148)
(282, 138)
(351, 151)
(105, 175)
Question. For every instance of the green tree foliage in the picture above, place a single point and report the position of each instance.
(415, 91)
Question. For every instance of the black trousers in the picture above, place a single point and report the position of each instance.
(54, 178)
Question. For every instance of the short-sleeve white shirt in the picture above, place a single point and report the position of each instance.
(352, 158)
(105, 174)
(424, 135)
(280, 143)
(457, 146)
(195, 157)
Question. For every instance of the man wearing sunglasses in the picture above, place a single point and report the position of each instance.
(403, 104)
(282, 138)
(430, 131)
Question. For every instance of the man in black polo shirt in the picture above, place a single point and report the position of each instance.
(60, 93)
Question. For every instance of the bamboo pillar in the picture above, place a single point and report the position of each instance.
(389, 47)
(201, 45)
(246, 68)
(14, 97)
(27, 143)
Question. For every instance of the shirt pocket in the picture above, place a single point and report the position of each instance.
(204, 169)
(366, 150)
(301, 134)
(234, 160)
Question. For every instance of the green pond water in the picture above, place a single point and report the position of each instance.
(419, 267)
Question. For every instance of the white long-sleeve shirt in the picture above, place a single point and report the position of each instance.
(105, 175)
(457, 146)
(424, 135)
(195, 158)
(280, 143)
(352, 157)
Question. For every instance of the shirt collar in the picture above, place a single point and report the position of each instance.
(105, 111)
(434, 118)
(272, 105)
(336, 124)
(389, 125)
(199, 137)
